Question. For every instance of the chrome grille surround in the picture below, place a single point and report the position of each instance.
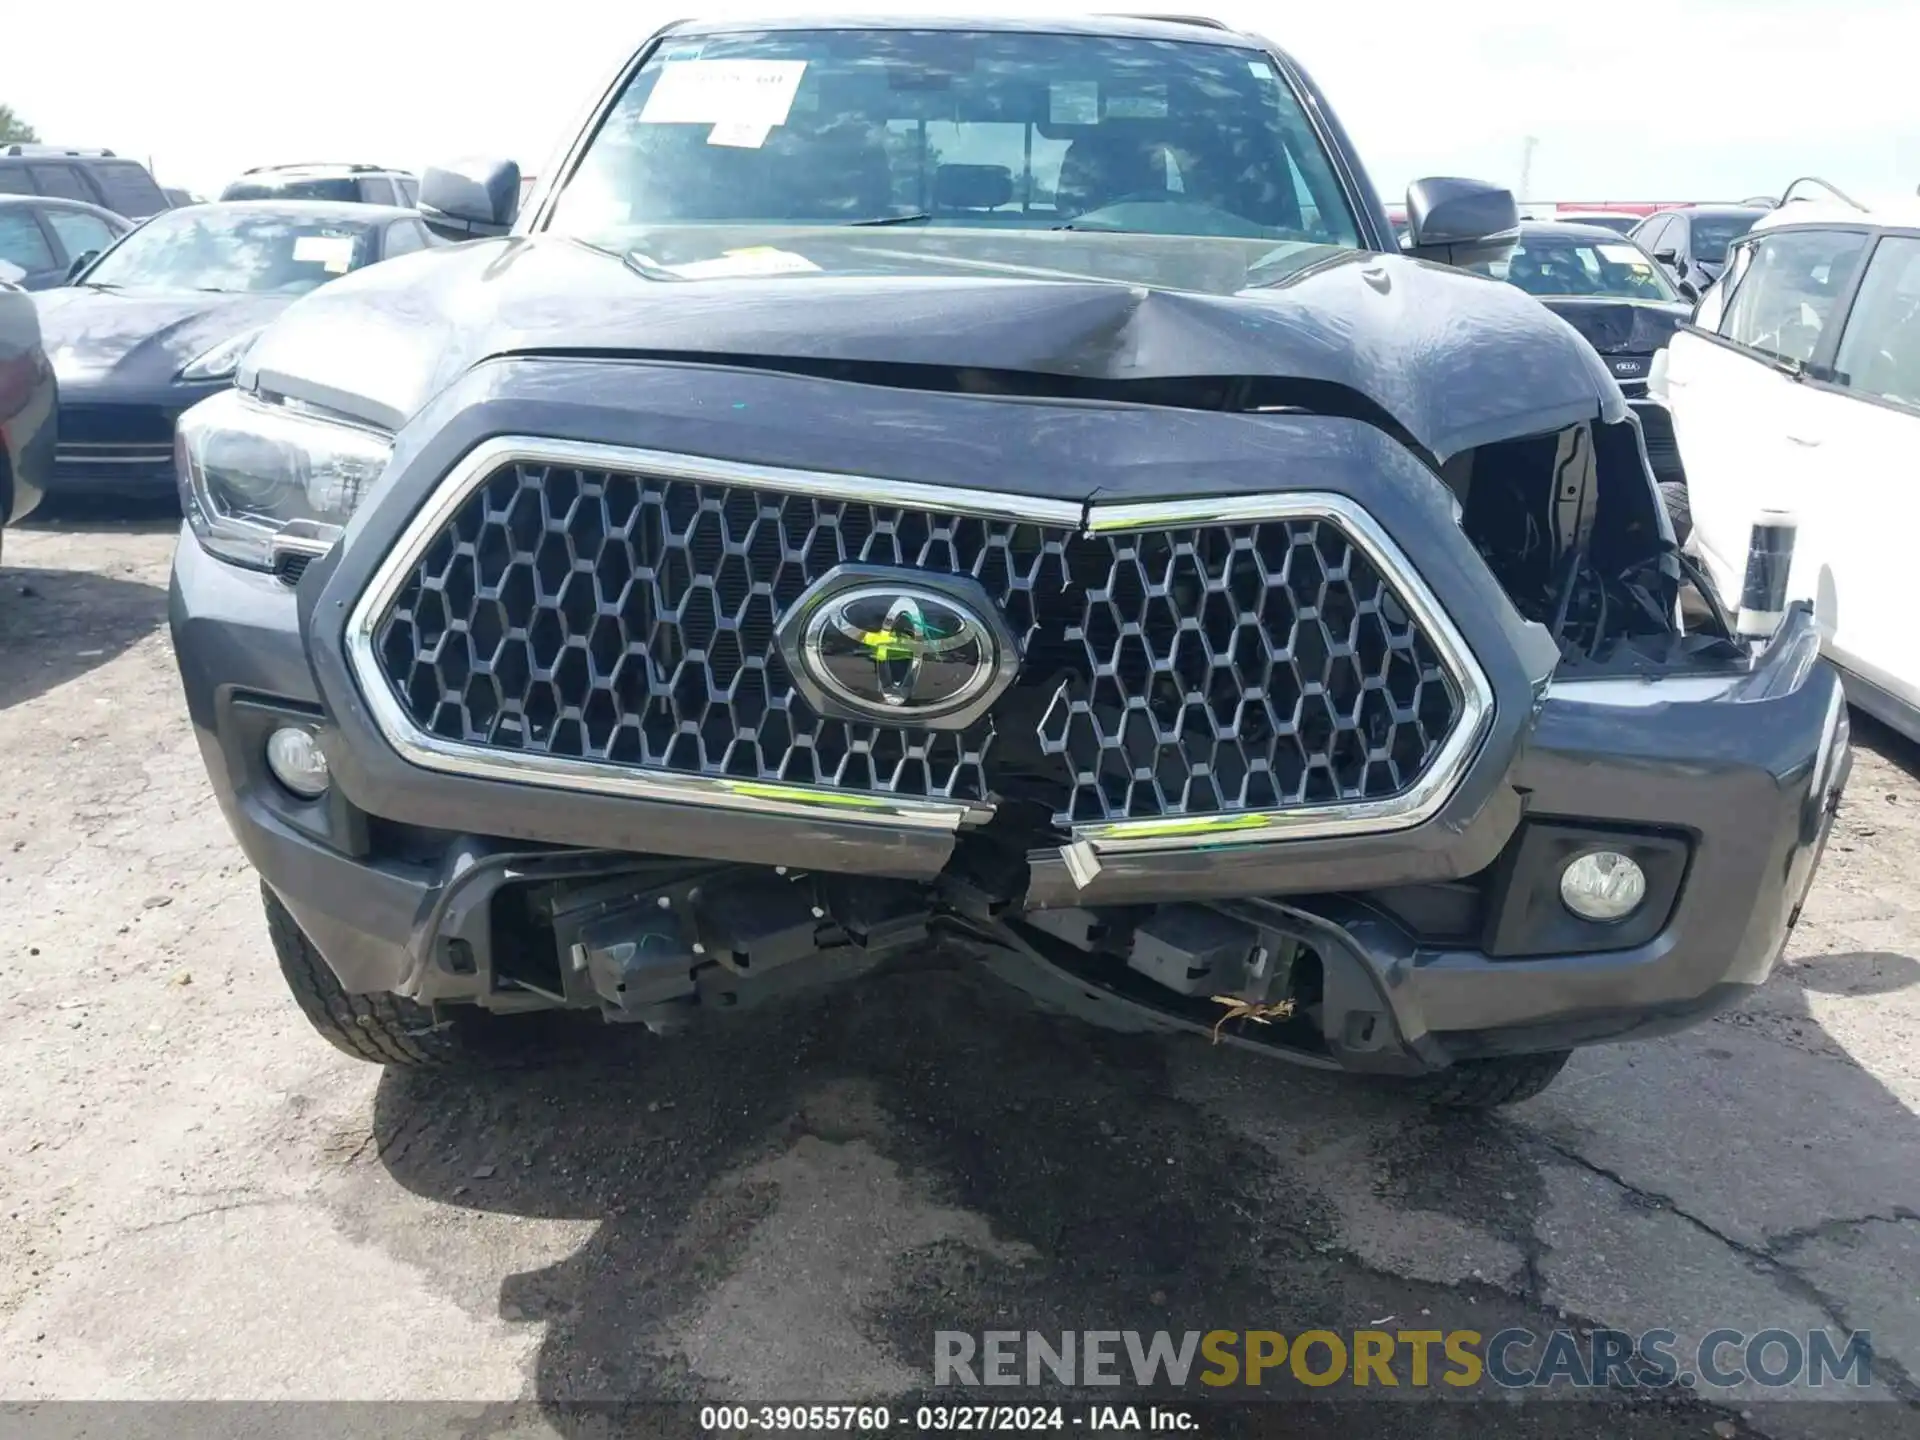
(1041, 537)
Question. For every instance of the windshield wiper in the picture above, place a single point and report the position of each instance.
(915, 218)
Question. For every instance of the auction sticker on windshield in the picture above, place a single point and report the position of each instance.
(332, 253)
(724, 92)
(743, 135)
(1624, 255)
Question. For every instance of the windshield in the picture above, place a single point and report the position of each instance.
(243, 250)
(1556, 267)
(1713, 234)
(956, 129)
(315, 189)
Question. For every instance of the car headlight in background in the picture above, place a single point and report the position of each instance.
(219, 362)
(1657, 377)
(249, 470)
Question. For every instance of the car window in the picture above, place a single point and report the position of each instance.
(968, 129)
(126, 189)
(1713, 304)
(243, 250)
(1658, 234)
(78, 231)
(21, 240)
(403, 238)
(14, 180)
(409, 191)
(317, 188)
(1880, 349)
(1792, 284)
(1561, 266)
(376, 190)
(1712, 234)
(63, 182)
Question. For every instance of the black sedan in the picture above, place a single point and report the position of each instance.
(1619, 299)
(161, 320)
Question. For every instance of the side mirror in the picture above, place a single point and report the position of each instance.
(470, 198)
(1667, 257)
(1460, 222)
(81, 262)
(1688, 290)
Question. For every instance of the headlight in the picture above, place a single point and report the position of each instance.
(222, 360)
(248, 470)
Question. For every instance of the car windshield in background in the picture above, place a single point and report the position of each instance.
(957, 129)
(258, 252)
(1572, 268)
(1619, 224)
(1714, 234)
(316, 189)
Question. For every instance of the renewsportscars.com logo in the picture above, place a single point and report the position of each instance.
(1512, 1359)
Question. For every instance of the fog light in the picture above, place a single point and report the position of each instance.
(295, 758)
(1603, 885)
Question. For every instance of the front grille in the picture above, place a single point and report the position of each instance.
(147, 426)
(630, 619)
(108, 443)
(85, 455)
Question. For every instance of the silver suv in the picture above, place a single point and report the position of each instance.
(367, 184)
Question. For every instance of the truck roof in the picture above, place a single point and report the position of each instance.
(1145, 27)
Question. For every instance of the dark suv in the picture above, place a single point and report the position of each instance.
(97, 177)
(997, 483)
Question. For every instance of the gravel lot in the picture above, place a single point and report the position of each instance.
(199, 1199)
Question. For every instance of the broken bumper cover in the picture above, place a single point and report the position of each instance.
(1739, 772)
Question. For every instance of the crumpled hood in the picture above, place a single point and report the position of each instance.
(141, 338)
(1454, 359)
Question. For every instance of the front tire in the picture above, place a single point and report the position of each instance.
(1490, 1083)
(382, 1029)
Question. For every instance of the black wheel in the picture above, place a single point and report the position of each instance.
(1673, 494)
(384, 1029)
(1488, 1084)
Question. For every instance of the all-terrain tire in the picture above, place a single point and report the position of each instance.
(1490, 1083)
(383, 1029)
(1673, 494)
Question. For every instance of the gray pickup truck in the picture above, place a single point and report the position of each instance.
(999, 485)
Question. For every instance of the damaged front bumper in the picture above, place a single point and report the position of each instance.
(1394, 952)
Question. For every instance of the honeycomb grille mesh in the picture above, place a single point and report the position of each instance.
(630, 619)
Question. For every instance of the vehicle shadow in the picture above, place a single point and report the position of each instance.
(1884, 741)
(133, 515)
(56, 625)
(788, 1206)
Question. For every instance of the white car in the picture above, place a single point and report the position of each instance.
(1797, 387)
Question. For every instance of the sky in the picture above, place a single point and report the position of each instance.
(1686, 99)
